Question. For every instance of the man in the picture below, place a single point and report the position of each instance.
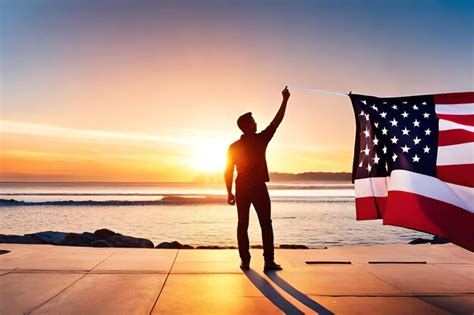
(248, 155)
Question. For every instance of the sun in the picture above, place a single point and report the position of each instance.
(209, 157)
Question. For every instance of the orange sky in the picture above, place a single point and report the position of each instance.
(152, 94)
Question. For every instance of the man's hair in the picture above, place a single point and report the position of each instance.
(243, 121)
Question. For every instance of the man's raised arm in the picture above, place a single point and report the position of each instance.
(281, 112)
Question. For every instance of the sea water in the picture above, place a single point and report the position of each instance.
(313, 214)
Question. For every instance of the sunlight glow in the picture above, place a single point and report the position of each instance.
(209, 157)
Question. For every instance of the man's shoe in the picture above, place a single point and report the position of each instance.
(271, 265)
(245, 265)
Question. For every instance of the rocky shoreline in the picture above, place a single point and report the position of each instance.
(108, 238)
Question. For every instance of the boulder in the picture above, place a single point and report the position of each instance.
(119, 240)
(76, 239)
(50, 237)
(210, 247)
(419, 241)
(293, 246)
(439, 240)
(174, 245)
(101, 243)
(21, 239)
(104, 233)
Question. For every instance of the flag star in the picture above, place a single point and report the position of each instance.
(415, 107)
(394, 157)
(376, 141)
(376, 159)
(426, 149)
(426, 115)
(360, 164)
(384, 102)
(394, 106)
(428, 132)
(367, 117)
(383, 114)
(366, 132)
(416, 158)
(394, 140)
(405, 102)
(386, 166)
(416, 123)
(376, 124)
(405, 149)
(369, 167)
(362, 113)
(365, 102)
(384, 131)
(394, 122)
(405, 131)
(424, 103)
(384, 150)
(366, 150)
(375, 108)
(416, 140)
(405, 114)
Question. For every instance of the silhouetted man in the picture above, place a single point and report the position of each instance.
(248, 155)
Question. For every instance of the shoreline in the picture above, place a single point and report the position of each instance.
(108, 238)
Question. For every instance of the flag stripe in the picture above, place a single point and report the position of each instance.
(428, 186)
(370, 208)
(454, 98)
(430, 215)
(457, 174)
(458, 109)
(467, 120)
(456, 154)
(371, 186)
(449, 125)
(454, 136)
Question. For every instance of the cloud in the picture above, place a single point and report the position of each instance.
(38, 129)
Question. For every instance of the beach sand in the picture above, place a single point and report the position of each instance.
(385, 279)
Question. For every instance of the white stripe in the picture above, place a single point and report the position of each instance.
(456, 154)
(372, 186)
(458, 109)
(449, 125)
(432, 187)
(428, 186)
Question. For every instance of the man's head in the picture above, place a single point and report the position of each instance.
(246, 123)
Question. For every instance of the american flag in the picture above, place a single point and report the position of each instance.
(414, 163)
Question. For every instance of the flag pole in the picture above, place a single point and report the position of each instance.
(319, 91)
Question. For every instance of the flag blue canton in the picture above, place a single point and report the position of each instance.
(395, 133)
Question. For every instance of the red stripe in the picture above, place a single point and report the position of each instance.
(457, 174)
(454, 136)
(370, 208)
(454, 98)
(431, 216)
(460, 119)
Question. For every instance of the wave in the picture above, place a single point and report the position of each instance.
(164, 201)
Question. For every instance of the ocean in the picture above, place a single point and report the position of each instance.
(311, 214)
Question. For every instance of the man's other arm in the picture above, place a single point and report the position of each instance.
(229, 177)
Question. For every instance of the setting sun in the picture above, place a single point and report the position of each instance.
(210, 157)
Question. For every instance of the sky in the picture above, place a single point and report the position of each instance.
(150, 90)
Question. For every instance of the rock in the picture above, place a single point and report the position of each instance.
(50, 237)
(293, 246)
(101, 243)
(103, 233)
(76, 239)
(21, 239)
(256, 246)
(3, 251)
(419, 241)
(209, 247)
(174, 245)
(119, 240)
(439, 240)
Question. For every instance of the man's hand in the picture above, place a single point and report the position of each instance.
(286, 93)
(231, 199)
